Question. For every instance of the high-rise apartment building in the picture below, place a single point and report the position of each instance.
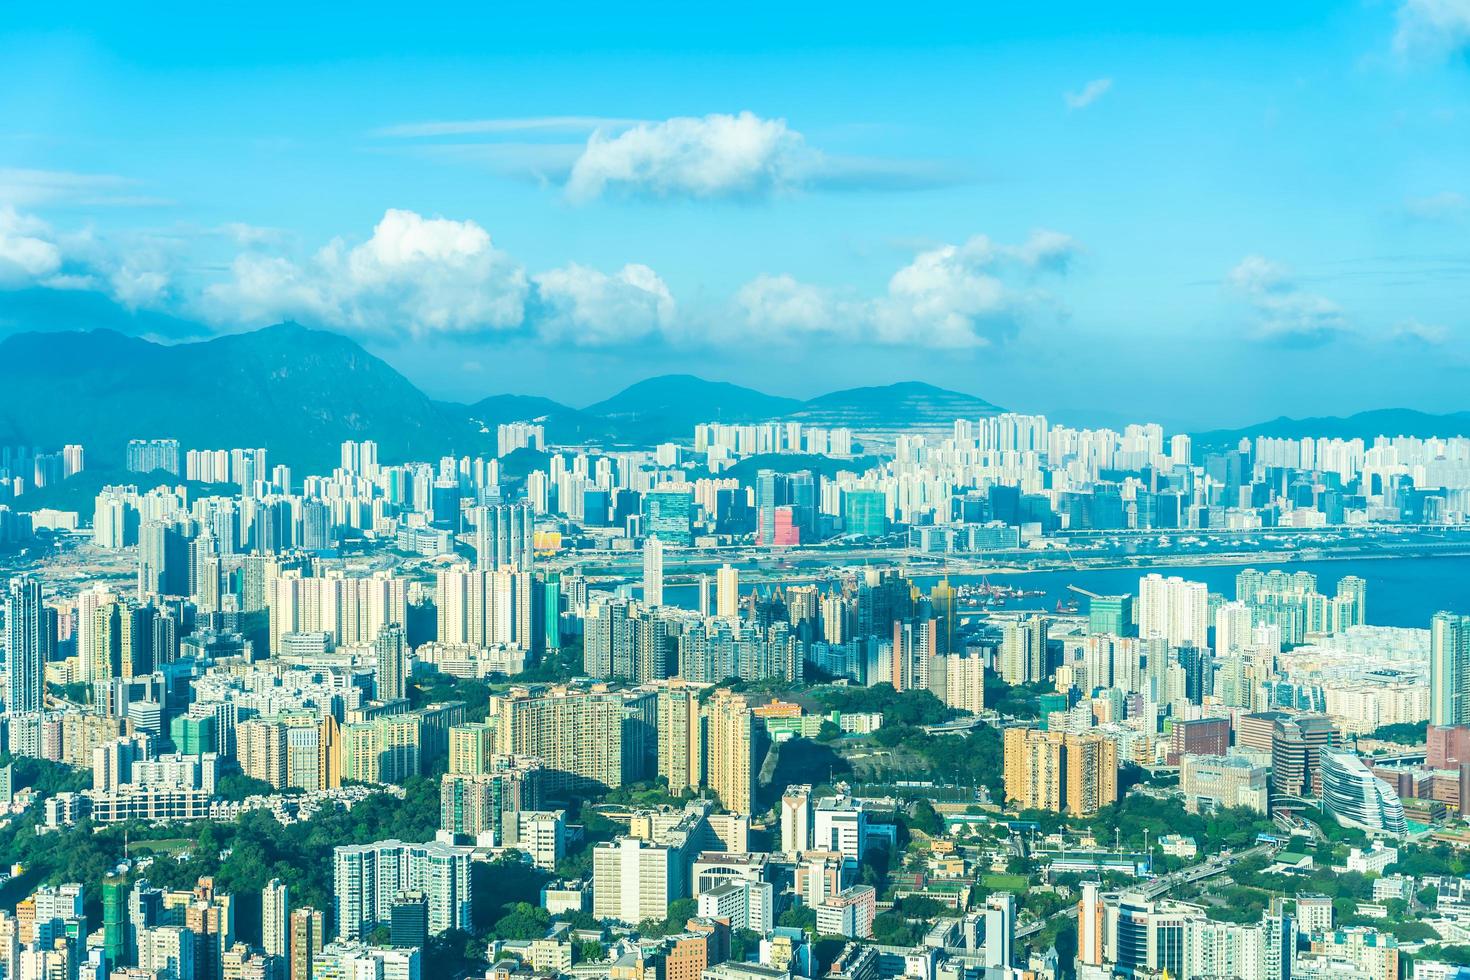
(504, 537)
(653, 572)
(275, 915)
(727, 592)
(730, 738)
(964, 681)
(680, 737)
(368, 877)
(1174, 609)
(1092, 773)
(1449, 669)
(1035, 768)
(579, 734)
(1023, 653)
(25, 683)
(390, 650)
(1046, 770)
(308, 930)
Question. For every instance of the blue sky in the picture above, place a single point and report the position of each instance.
(1104, 212)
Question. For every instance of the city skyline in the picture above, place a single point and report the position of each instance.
(792, 492)
(982, 201)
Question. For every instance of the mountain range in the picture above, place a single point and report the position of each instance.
(300, 392)
(1360, 425)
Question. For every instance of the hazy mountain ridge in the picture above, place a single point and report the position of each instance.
(299, 392)
(1360, 425)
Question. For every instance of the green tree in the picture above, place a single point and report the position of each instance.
(523, 921)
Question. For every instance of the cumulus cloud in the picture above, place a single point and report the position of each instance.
(718, 155)
(784, 306)
(591, 308)
(420, 276)
(1088, 94)
(1433, 28)
(969, 295)
(32, 253)
(960, 295)
(1285, 313)
(27, 251)
(415, 274)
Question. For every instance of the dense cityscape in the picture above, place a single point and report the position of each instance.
(776, 491)
(593, 711)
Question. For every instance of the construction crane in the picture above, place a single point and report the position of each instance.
(1081, 591)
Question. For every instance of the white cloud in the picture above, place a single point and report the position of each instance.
(1089, 93)
(591, 308)
(27, 250)
(954, 296)
(1285, 313)
(1432, 28)
(31, 188)
(715, 156)
(719, 155)
(1429, 334)
(415, 274)
(782, 306)
(134, 274)
(420, 276)
(134, 287)
(1444, 206)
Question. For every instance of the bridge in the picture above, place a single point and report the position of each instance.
(1161, 886)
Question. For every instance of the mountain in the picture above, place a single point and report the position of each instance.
(1363, 425)
(564, 425)
(908, 404)
(669, 406)
(300, 392)
(295, 391)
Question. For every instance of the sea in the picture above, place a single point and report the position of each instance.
(1401, 591)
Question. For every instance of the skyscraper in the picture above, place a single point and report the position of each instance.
(1035, 767)
(368, 877)
(653, 572)
(1174, 609)
(730, 734)
(24, 658)
(504, 537)
(1092, 773)
(769, 492)
(1000, 929)
(307, 934)
(727, 591)
(796, 819)
(275, 906)
(1449, 669)
(864, 513)
(115, 920)
(668, 515)
(391, 652)
(680, 737)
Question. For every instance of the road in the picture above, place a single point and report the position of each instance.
(1160, 886)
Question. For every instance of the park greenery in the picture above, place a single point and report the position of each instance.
(1406, 733)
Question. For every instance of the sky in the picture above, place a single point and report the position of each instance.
(1198, 214)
